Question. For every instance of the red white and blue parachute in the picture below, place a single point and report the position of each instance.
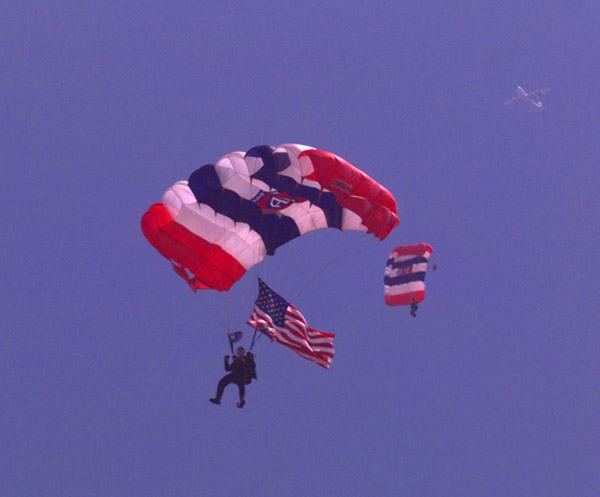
(228, 216)
(404, 280)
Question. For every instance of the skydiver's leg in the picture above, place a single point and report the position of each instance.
(223, 382)
(242, 389)
(413, 309)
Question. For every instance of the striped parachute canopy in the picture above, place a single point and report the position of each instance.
(228, 216)
(404, 281)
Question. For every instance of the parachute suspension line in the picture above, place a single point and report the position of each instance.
(288, 255)
(230, 294)
(237, 298)
(254, 339)
(276, 234)
(246, 298)
(291, 252)
(239, 302)
(239, 291)
(227, 312)
(348, 246)
(210, 309)
(244, 292)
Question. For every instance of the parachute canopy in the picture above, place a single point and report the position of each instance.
(228, 216)
(404, 281)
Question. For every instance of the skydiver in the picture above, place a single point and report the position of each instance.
(242, 371)
(413, 308)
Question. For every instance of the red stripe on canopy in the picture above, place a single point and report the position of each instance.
(212, 267)
(356, 191)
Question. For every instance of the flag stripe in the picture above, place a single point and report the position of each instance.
(286, 324)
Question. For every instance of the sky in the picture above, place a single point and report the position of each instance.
(107, 360)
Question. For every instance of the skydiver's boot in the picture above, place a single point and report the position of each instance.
(241, 403)
(215, 401)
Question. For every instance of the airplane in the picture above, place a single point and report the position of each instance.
(532, 99)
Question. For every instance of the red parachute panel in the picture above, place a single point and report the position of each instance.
(212, 267)
(355, 191)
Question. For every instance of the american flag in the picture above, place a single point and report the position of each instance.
(286, 324)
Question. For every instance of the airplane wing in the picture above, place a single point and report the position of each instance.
(539, 93)
(512, 101)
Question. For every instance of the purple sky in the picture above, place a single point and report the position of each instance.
(108, 360)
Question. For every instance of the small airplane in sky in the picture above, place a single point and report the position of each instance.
(532, 99)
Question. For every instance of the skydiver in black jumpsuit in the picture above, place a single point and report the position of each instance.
(243, 369)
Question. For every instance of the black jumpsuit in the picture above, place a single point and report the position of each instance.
(242, 372)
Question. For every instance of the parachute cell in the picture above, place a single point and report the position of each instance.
(404, 280)
(229, 215)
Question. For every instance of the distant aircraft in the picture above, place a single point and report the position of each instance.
(532, 99)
